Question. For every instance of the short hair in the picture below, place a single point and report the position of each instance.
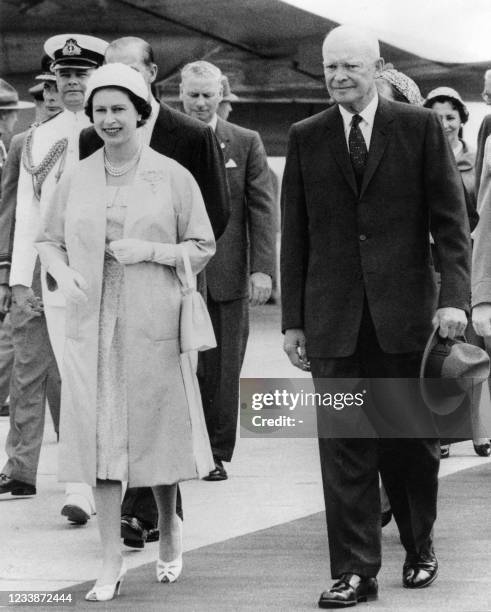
(360, 34)
(142, 107)
(202, 69)
(127, 41)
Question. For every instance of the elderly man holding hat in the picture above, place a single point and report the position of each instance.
(50, 149)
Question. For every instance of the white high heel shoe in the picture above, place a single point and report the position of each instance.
(107, 592)
(169, 571)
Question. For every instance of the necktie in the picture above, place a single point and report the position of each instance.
(358, 151)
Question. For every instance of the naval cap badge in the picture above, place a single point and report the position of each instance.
(71, 47)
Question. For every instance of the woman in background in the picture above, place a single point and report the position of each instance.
(453, 113)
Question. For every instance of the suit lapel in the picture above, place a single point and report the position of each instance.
(164, 135)
(223, 138)
(338, 147)
(380, 136)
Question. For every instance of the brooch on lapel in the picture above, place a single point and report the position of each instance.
(153, 177)
(230, 164)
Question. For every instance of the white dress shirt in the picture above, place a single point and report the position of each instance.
(366, 124)
(213, 122)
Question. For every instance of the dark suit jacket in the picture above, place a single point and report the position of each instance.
(193, 145)
(10, 178)
(338, 245)
(248, 243)
(484, 132)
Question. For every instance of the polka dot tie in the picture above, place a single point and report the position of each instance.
(358, 151)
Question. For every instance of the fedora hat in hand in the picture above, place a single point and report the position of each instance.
(450, 370)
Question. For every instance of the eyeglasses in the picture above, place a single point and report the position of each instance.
(486, 97)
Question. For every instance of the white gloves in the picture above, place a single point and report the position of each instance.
(70, 282)
(132, 250)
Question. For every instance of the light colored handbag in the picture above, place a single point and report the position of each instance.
(195, 327)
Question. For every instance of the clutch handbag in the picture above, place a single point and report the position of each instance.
(195, 327)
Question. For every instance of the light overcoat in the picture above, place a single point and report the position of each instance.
(164, 206)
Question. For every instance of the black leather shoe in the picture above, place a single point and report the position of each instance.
(5, 410)
(444, 451)
(219, 473)
(15, 487)
(348, 591)
(419, 570)
(153, 535)
(483, 450)
(133, 531)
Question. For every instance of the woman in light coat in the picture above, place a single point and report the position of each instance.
(111, 242)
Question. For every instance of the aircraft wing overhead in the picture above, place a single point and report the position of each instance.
(271, 38)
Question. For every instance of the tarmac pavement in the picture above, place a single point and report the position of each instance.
(271, 483)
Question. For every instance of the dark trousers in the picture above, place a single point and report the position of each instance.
(219, 373)
(6, 358)
(34, 365)
(350, 466)
(140, 502)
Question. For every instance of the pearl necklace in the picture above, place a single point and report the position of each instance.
(120, 170)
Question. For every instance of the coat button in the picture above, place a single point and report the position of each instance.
(362, 237)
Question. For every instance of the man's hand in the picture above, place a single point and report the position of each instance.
(5, 298)
(260, 287)
(451, 321)
(27, 301)
(295, 347)
(131, 250)
(481, 319)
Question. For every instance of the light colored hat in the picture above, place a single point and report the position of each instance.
(451, 94)
(75, 51)
(9, 98)
(117, 75)
(404, 85)
(228, 96)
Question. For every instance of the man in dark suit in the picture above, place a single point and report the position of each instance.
(193, 145)
(484, 130)
(241, 270)
(365, 181)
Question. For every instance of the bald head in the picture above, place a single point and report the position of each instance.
(352, 60)
(134, 52)
(351, 36)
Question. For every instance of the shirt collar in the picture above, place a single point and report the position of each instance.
(367, 114)
(213, 122)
